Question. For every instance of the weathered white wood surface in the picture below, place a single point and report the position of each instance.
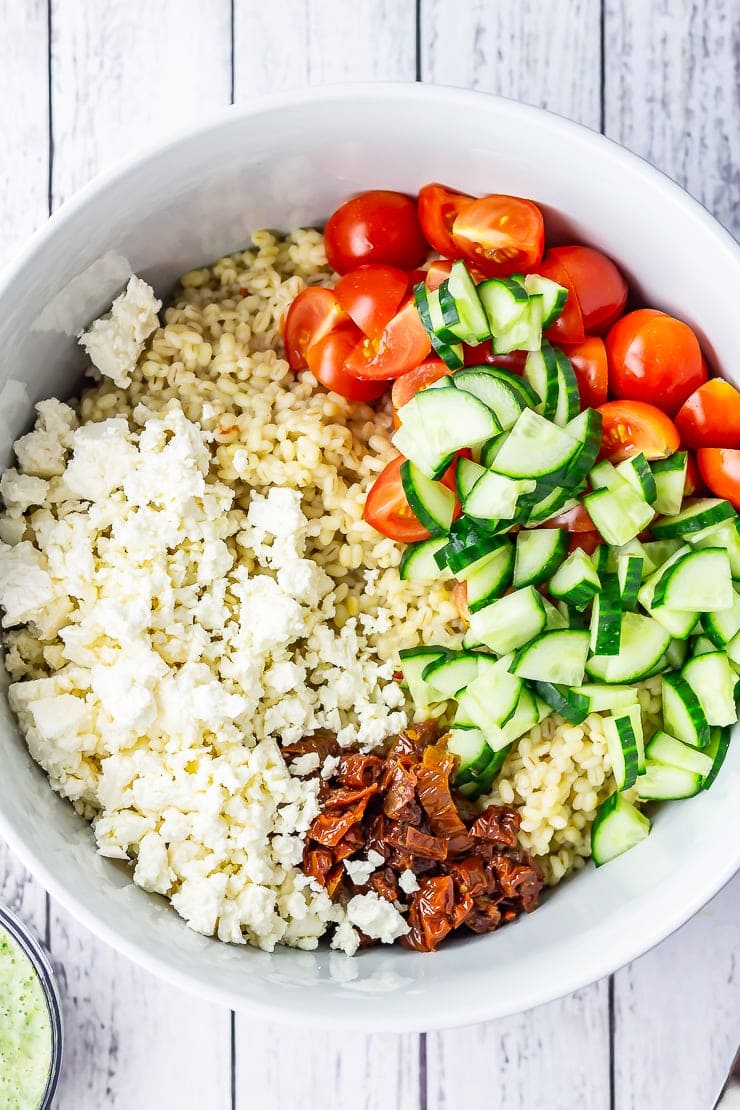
(663, 1032)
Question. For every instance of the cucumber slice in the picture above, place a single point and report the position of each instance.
(553, 502)
(713, 681)
(444, 421)
(505, 403)
(429, 460)
(602, 699)
(618, 826)
(700, 645)
(586, 429)
(569, 398)
(606, 619)
(471, 748)
(553, 295)
(670, 481)
(523, 335)
(600, 559)
(678, 651)
(430, 314)
(505, 304)
(634, 547)
(489, 702)
(717, 750)
(725, 535)
(619, 514)
(432, 504)
(465, 546)
(413, 663)
(621, 744)
(694, 518)
(699, 580)
(667, 749)
(636, 471)
(510, 622)
(564, 700)
(557, 657)
(643, 645)
(604, 476)
(489, 579)
(517, 383)
(538, 555)
(554, 619)
(658, 552)
(467, 474)
(661, 783)
(679, 624)
(462, 308)
(576, 582)
(494, 498)
(629, 577)
(723, 626)
(447, 676)
(418, 563)
(535, 448)
(525, 716)
(541, 371)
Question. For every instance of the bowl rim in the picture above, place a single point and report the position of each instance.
(399, 1018)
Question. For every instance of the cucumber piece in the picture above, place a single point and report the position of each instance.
(604, 476)
(669, 476)
(700, 645)
(678, 651)
(471, 748)
(634, 547)
(557, 657)
(447, 676)
(553, 502)
(418, 563)
(643, 645)
(523, 335)
(679, 624)
(489, 702)
(619, 514)
(606, 619)
(667, 749)
(564, 700)
(444, 421)
(713, 681)
(621, 744)
(541, 371)
(636, 471)
(525, 716)
(505, 403)
(538, 555)
(600, 699)
(723, 626)
(494, 498)
(699, 580)
(553, 295)
(733, 653)
(629, 577)
(489, 579)
(586, 429)
(661, 783)
(576, 582)
(510, 622)
(658, 552)
(717, 750)
(472, 323)
(694, 518)
(600, 559)
(517, 383)
(568, 403)
(505, 304)
(535, 448)
(618, 826)
(725, 535)
(430, 314)
(465, 546)
(432, 504)
(482, 782)
(467, 474)
(413, 663)
(554, 619)
(426, 457)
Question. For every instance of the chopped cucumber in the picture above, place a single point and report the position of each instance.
(432, 504)
(629, 577)
(717, 750)
(413, 663)
(418, 563)
(713, 681)
(510, 622)
(443, 421)
(505, 403)
(535, 448)
(602, 699)
(488, 579)
(636, 470)
(541, 371)
(622, 746)
(505, 304)
(564, 700)
(725, 535)
(538, 555)
(462, 300)
(667, 749)
(576, 582)
(447, 676)
(694, 518)
(606, 619)
(558, 657)
(697, 581)
(618, 826)
(553, 295)
(619, 514)
(643, 646)
(471, 748)
(723, 626)
(661, 783)
(670, 481)
(494, 497)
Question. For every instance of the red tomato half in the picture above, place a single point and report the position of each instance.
(586, 541)
(720, 469)
(482, 355)
(402, 346)
(711, 416)
(654, 357)
(327, 358)
(387, 509)
(568, 328)
(500, 234)
(439, 207)
(573, 520)
(591, 370)
(408, 385)
(631, 427)
(312, 315)
(598, 284)
(694, 482)
(378, 226)
(370, 295)
(437, 271)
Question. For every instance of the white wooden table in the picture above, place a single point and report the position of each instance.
(85, 81)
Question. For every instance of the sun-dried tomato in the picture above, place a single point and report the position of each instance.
(330, 826)
(498, 823)
(317, 862)
(461, 912)
(518, 880)
(359, 770)
(469, 875)
(352, 841)
(322, 743)
(334, 879)
(385, 884)
(423, 844)
(349, 796)
(400, 799)
(431, 911)
(434, 792)
(484, 917)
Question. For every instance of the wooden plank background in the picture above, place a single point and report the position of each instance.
(86, 81)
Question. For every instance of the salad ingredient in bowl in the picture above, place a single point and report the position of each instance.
(222, 656)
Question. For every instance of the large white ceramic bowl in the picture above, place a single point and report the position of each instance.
(284, 162)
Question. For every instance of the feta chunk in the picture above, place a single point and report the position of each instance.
(114, 342)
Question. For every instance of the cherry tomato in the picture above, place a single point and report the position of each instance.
(693, 483)
(482, 355)
(631, 427)
(598, 284)
(370, 295)
(573, 520)
(378, 226)
(500, 234)
(437, 271)
(591, 370)
(387, 509)
(439, 207)
(312, 315)
(654, 357)
(720, 469)
(711, 416)
(408, 385)
(568, 328)
(586, 541)
(327, 358)
(402, 346)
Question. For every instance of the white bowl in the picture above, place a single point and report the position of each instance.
(285, 162)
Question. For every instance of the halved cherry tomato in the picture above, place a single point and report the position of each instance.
(568, 328)
(387, 509)
(437, 271)
(586, 541)
(402, 346)
(326, 361)
(377, 226)
(654, 357)
(482, 355)
(408, 385)
(312, 315)
(370, 295)
(631, 427)
(694, 483)
(439, 207)
(598, 284)
(591, 370)
(711, 416)
(500, 234)
(573, 520)
(720, 469)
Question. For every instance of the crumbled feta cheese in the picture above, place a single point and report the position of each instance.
(346, 939)
(359, 870)
(305, 764)
(114, 342)
(329, 766)
(375, 858)
(407, 882)
(376, 917)
(25, 584)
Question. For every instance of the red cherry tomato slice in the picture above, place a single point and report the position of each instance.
(568, 328)
(482, 355)
(598, 284)
(326, 361)
(573, 520)
(371, 295)
(631, 427)
(439, 207)
(585, 541)
(720, 469)
(655, 358)
(591, 370)
(378, 226)
(711, 416)
(387, 509)
(408, 385)
(694, 483)
(437, 272)
(500, 234)
(312, 315)
(402, 346)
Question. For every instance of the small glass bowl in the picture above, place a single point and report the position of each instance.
(32, 949)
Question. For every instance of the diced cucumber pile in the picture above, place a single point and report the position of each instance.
(553, 631)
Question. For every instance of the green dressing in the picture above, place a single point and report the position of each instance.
(25, 1030)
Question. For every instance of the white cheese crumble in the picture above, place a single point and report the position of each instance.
(376, 917)
(408, 882)
(115, 341)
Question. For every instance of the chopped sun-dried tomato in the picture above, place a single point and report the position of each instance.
(385, 884)
(349, 796)
(359, 770)
(484, 917)
(317, 862)
(430, 914)
(497, 823)
(434, 792)
(322, 743)
(422, 844)
(469, 875)
(400, 800)
(518, 880)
